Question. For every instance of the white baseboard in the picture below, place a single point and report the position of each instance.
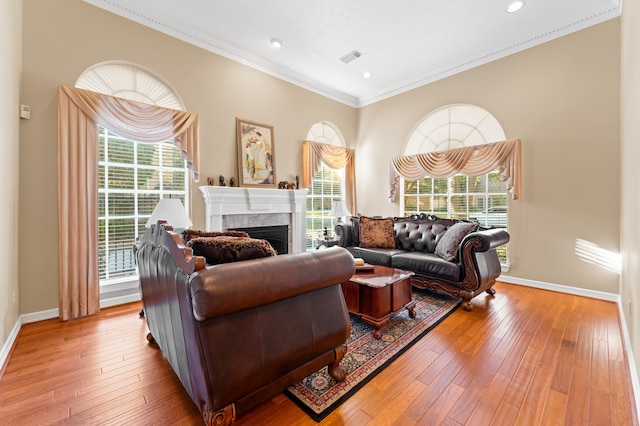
(594, 294)
(611, 297)
(633, 372)
(55, 313)
(40, 316)
(8, 344)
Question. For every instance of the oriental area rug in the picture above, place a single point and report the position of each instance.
(319, 394)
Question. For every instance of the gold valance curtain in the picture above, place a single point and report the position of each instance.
(471, 161)
(336, 157)
(79, 113)
(140, 122)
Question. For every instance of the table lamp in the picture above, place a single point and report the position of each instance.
(339, 210)
(172, 211)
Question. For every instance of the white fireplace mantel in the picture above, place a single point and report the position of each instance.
(257, 206)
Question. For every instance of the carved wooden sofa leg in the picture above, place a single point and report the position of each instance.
(335, 369)
(223, 417)
(467, 296)
(150, 338)
(466, 300)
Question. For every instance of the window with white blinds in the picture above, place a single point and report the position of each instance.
(479, 198)
(482, 199)
(132, 177)
(326, 187)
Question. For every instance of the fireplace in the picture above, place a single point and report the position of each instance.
(277, 236)
(246, 208)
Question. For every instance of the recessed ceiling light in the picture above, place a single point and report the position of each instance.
(276, 42)
(515, 6)
(366, 74)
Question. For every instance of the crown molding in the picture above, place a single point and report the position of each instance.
(121, 8)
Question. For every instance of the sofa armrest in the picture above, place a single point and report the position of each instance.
(345, 233)
(486, 239)
(233, 287)
(479, 260)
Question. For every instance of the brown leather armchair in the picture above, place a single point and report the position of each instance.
(236, 334)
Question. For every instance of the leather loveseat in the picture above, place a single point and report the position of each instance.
(450, 256)
(236, 334)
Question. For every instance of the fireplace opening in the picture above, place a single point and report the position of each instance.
(277, 236)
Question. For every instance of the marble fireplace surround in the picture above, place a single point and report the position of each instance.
(233, 207)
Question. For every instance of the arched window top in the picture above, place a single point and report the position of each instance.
(454, 126)
(130, 81)
(326, 132)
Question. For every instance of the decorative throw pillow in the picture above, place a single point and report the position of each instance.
(376, 233)
(447, 247)
(225, 249)
(189, 234)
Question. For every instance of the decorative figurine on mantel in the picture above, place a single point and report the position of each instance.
(286, 185)
(210, 181)
(221, 180)
(232, 182)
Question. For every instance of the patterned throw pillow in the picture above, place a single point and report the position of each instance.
(447, 247)
(376, 233)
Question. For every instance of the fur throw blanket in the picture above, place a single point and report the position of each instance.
(189, 234)
(225, 248)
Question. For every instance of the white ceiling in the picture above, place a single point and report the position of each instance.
(404, 43)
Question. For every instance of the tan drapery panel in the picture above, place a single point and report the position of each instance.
(79, 113)
(79, 286)
(470, 161)
(336, 157)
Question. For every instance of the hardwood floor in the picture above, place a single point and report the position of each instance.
(526, 357)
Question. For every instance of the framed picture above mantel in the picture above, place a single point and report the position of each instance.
(256, 158)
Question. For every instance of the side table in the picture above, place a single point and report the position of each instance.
(378, 294)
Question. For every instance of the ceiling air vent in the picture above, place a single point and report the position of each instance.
(353, 55)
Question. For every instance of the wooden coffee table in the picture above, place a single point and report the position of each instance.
(376, 295)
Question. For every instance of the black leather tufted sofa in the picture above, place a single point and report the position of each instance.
(237, 334)
(473, 271)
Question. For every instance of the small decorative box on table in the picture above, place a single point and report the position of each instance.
(376, 294)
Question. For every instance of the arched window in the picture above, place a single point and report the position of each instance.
(478, 198)
(132, 176)
(326, 188)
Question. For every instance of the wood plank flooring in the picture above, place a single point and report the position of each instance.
(523, 357)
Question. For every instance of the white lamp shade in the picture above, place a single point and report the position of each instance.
(171, 210)
(338, 209)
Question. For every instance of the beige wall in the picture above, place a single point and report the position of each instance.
(10, 51)
(63, 38)
(562, 99)
(630, 172)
